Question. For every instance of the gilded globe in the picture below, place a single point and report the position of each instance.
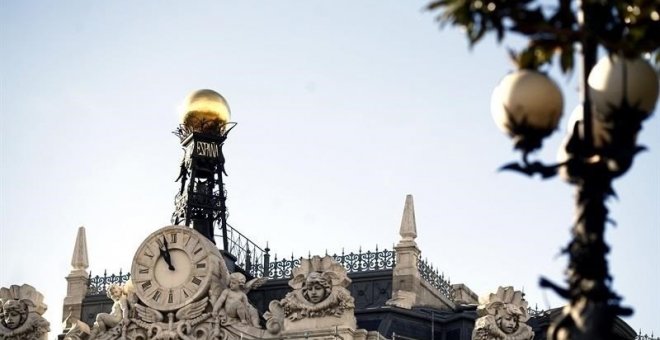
(205, 110)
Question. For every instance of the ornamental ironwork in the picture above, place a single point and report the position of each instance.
(369, 261)
(200, 201)
(353, 262)
(98, 285)
(436, 279)
(646, 336)
(536, 312)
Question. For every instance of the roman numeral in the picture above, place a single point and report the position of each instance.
(149, 255)
(144, 271)
(156, 296)
(146, 284)
(201, 265)
(160, 243)
(173, 237)
(197, 251)
(170, 298)
(185, 292)
(196, 280)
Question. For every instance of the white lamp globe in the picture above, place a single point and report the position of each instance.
(615, 79)
(526, 103)
(527, 96)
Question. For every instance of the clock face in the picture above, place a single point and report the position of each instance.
(173, 267)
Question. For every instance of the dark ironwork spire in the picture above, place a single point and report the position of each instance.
(200, 202)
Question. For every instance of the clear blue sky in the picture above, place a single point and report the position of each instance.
(343, 108)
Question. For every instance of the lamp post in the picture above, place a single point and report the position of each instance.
(617, 94)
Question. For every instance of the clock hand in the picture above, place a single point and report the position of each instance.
(165, 253)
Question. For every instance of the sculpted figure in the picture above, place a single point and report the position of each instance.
(21, 308)
(119, 313)
(502, 316)
(319, 291)
(233, 306)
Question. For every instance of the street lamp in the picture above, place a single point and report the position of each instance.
(618, 94)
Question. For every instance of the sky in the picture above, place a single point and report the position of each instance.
(343, 108)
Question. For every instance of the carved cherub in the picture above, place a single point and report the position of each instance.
(503, 316)
(118, 314)
(233, 302)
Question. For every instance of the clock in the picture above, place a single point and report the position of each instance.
(175, 266)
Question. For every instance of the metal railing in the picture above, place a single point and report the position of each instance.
(256, 262)
(641, 336)
(353, 262)
(435, 278)
(536, 312)
(249, 256)
(98, 285)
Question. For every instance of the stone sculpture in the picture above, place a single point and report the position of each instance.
(502, 316)
(131, 319)
(119, 313)
(319, 297)
(232, 305)
(21, 313)
(78, 330)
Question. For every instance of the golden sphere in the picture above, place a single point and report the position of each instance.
(205, 110)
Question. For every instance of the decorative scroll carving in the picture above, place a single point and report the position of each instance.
(502, 316)
(21, 313)
(78, 331)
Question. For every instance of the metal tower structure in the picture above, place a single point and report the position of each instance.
(200, 202)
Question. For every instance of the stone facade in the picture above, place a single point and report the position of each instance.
(321, 300)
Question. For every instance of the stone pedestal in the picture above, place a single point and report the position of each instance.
(75, 293)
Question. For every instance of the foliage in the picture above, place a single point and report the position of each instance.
(628, 27)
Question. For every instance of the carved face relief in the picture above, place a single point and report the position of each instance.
(315, 293)
(13, 319)
(316, 287)
(14, 314)
(508, 323)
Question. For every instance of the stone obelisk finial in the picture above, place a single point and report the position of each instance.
(79, 259)
(408, 230)
(76, 281)
(406, 277)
